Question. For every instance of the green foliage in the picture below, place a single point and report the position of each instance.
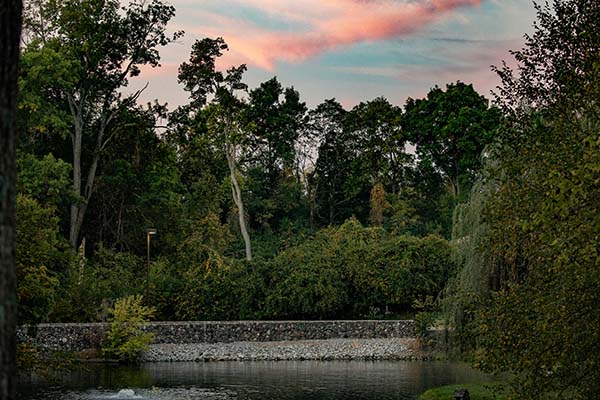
(306, 180)
(217, 290)
(357, 272)
(33, 359)
(527, 242)
(88, 284)
(39, 254)
(166, 285)
(72, 76)
(379, 205)
(467, 291)
(346, 272)
(138, 187)
(126, 341)
(477, 391)
(358, 149)
(307, 283)
(451, 129)
(45, 180)
(546, 305)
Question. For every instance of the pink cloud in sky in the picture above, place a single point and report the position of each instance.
(330, 24)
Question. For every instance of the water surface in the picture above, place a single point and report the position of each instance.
(285, 380)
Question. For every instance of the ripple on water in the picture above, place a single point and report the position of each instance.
(298, 380)
(151, 394)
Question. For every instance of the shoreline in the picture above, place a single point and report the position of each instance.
(297, 350)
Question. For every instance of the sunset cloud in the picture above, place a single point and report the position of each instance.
(328, 26)
(353, 50)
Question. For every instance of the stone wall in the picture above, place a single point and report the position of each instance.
(76, 337)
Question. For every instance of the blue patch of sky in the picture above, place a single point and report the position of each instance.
(385, 61)
(491, 21)
(248, 14)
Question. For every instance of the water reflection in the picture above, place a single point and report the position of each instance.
(252, 380)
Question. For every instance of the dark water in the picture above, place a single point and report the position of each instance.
(251, 380)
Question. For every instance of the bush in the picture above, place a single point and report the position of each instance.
(166, 285)
(356, 272)
(345, 272)
(126, 340)
(220, 289)
(109, 275)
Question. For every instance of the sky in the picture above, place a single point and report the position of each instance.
(351, 50)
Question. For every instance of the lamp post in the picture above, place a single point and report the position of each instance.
(149, 232)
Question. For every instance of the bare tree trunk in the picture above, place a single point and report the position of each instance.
(237, 198)
(76, 139)
(79, 209)
(10, 33)
(310, 192)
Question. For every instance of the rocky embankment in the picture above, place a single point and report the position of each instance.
(329, 349)
(245, 340)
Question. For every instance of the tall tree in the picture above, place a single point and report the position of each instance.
(273, 121)
(276, 116)
(358, 149)
(380, 143)
(202, 80)
(331, 178)
(138, 186)
(10, 34)
(450, 129)
(543, 219)
(85, 59)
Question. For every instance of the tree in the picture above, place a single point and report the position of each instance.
(138, 186)
(78, 68)
(37, 249)
(380, 144)
(450, 129)
(378, 205)
(10, 34)
(126, 340)
(333, 162)
(276, 115)
(273, 122)
(201, 80)
(539, 228)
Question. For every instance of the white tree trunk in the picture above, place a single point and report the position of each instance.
(237, 198)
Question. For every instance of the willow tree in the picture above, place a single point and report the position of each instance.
(214, 92)
(537, 237)
(75, 66)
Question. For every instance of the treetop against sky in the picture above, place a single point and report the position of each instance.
(354, 50)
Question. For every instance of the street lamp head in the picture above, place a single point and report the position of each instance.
(151, 231)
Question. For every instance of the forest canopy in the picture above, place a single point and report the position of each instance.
(248, 188)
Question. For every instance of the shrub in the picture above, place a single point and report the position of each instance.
(107, 276)
(356, 272)
(126, 341)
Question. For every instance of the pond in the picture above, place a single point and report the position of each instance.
(286, 380)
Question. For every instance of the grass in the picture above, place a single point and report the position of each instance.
(477, 391)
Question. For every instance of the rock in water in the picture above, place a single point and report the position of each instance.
(461, 394)
(125, 394)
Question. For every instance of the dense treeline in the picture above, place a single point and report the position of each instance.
(264, 208)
